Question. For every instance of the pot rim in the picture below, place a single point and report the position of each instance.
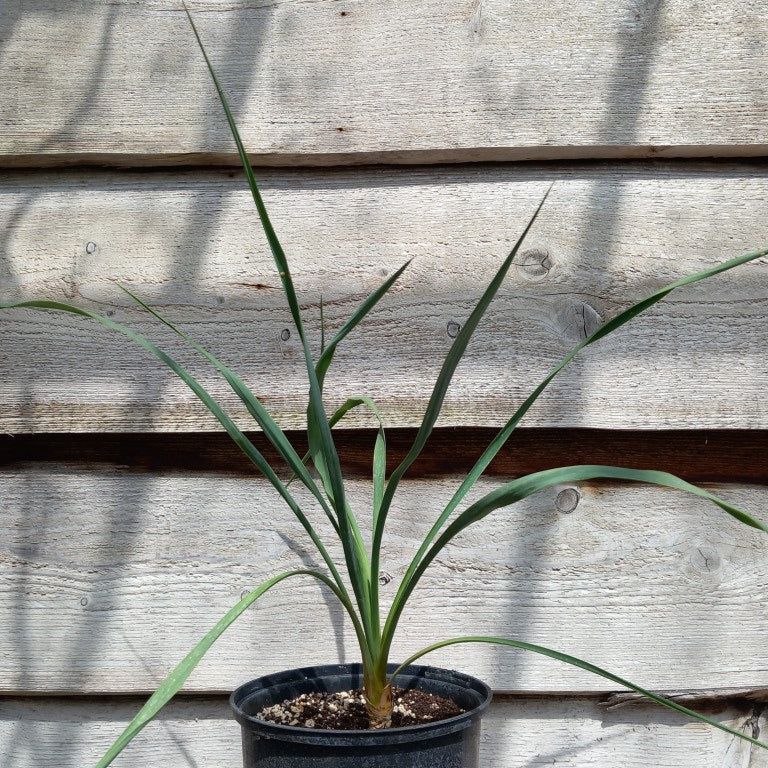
(401, 734)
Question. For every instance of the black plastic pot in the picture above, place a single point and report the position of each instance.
(452, 743)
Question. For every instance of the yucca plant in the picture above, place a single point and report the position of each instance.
(355, 584)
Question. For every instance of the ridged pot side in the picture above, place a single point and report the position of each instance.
(452, 743)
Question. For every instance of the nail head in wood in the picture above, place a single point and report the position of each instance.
(567, 500)
(452, 329)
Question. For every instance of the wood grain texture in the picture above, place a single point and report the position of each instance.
(337, 82)
(517, 731)
(107, 577)
(188, 243)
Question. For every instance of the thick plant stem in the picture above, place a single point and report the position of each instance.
(379, 707)
(378, 698)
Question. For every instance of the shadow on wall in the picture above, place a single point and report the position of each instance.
(635, 51)
(97, 82)
(636, 41)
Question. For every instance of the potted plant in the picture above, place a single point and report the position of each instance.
(448, 742)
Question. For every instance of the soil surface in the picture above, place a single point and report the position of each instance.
(345, 711)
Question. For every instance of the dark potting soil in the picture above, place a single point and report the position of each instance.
(345, 711)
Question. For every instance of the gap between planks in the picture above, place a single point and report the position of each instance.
(460, 156)
(698, 455)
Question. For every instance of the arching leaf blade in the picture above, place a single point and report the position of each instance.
(588, 667)
(237, 436)
(319, 434)
(519, 489)
(263, 418)
(362, 310)
(451, 362)
(179, 675)
(505, 432)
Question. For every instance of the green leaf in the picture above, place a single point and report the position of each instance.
(379, 478)
(447, 370)
(521, 488)
(262, 417)
(363, 309)
(379, 449)
(239, 438)
(572, 660)
(176, 679)
(506, 431)
(621, 319)
(321, 442)
(435, 403)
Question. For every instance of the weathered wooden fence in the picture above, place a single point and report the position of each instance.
(393, 130)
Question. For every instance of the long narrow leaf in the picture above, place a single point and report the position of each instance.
(522, 487)
(239, 438)
(178, 676)
(585, 665)
(379, 449)
(435, 403)
(506, 431)
(274, 434)
(339, 414)
(379, 475)
(319, 433)
(379, 470)
(362, 310)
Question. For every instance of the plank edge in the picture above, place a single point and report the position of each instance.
(434, 156)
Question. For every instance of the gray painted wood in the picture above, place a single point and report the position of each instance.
(330, 82)
(518, 731)
(189, 244)
(108, 577)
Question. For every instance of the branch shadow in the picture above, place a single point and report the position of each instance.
(40, 495)
(638, 39)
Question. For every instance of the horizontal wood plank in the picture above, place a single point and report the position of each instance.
(107, 577)
(337, 82)
(517, 731)
(189, 244)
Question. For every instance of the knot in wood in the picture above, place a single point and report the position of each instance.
(90, 247)
(533, 264)
(705, 559)
(577, 321)
(384, 578)
(285, 334)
